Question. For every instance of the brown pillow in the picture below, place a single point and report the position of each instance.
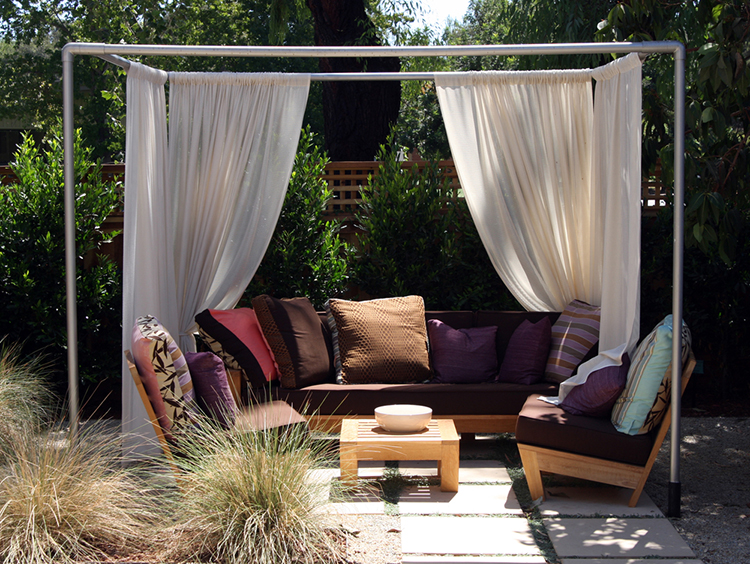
(380, 340)
(300, 343)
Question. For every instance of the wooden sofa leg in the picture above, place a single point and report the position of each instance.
(533, 474)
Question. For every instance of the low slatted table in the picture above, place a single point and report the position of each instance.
(364, 439)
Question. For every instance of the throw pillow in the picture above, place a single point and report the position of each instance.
(462, 356)
(165, 375)
(212, 387)
(382, 340)
(235, 336)
(650, 362)
(574, 334)
(298, 340)
(661, 403)
(526, 355)
(598, 394)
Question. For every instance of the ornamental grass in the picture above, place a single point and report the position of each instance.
(249, 498)
(25, 399)
(61, 501)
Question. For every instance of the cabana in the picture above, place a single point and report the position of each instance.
(551, 176)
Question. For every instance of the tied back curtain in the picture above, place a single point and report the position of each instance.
(233, 138)
(148, 270)
(552, 180)
(208, 199)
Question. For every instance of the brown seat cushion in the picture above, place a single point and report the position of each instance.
(489, 398)
(545, 425)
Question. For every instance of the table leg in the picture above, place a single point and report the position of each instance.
(448, 468)
(348, 463)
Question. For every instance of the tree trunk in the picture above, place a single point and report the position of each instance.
(357, 115)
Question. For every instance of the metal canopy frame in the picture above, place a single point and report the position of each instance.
(113, 54)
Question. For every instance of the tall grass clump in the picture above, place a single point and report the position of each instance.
(25, 399)
(248, 497)
(68, 501)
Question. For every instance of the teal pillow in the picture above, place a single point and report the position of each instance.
(650, 361)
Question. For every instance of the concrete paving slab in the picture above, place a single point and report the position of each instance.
(468, 500)
(467, 535)
(469, 471)
(629, 561)
(606, 501)
(524, 559)
(614, 537)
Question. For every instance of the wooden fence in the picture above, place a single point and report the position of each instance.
(345, 180)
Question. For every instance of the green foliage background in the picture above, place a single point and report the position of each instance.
(32, 258)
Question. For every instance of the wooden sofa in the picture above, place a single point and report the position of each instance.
(553, 441)
(488, 407)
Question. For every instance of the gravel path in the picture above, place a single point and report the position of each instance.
(714, 472)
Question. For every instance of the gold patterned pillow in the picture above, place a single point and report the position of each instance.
(382, 340)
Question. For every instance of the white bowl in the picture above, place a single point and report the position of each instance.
(403, 418)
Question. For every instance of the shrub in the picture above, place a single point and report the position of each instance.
(248, 497)
(63, 502)
(416, 242)
(32, 258)
(306, 256)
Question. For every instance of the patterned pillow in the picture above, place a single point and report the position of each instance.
(235, 336)
(165, 375)
(526, 354)
(657, 411)
(298, 339)
(462, 356)
(382, 340)
(574, 334)
(647, 370)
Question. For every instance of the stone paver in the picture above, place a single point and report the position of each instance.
(468, 559)
(630, 538)
(468, 500)
(596, 501)
(470, 471)
(629, 561)
(467, 535)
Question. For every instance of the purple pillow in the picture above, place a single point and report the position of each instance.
(527, 352)
(212, 386)
(462, 356)
(598, 394)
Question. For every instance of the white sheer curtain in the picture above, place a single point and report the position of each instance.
(552, 185)
(201, 209)
(521, 142)
(148, 269)
(233, 138)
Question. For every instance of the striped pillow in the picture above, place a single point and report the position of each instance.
(651, 360)
(574, 334)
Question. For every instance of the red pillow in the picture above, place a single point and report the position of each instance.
(238, 336)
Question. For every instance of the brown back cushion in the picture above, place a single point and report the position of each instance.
(300, 342)
(381, 340)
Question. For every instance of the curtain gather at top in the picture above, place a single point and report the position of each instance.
(200, 209)
(551, 175)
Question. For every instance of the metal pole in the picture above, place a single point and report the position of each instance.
(102, 49)
(70, 241)
(673, 509)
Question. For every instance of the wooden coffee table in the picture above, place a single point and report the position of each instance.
(364, 439)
